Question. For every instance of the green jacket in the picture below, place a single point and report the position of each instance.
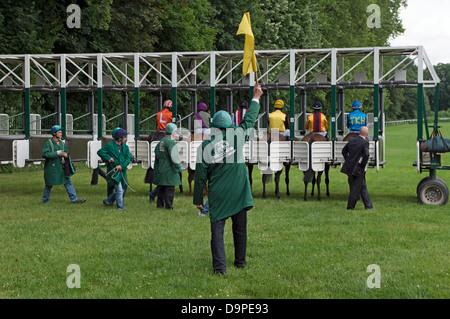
(122, 158)
(167, 165)
(53, 168)
(220, 162)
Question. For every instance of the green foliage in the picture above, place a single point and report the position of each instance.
(202, 25)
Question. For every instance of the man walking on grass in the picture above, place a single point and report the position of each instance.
(117, 156)
(356, 155)
(56, 154)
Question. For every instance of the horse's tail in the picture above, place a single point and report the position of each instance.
(309, 174)
(267, 178)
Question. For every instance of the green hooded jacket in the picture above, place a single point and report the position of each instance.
(220, 162)
(122, 158)
(53, 168)
(167, 165)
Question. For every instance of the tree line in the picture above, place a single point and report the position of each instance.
(39, 26)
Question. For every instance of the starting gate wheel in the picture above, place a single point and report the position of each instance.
(425, 180)
(433, 192)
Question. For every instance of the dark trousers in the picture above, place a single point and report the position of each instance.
(358, 188)
(240, 241)
(165, 197)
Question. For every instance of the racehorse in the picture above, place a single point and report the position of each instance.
(310, 176)
(268, 177)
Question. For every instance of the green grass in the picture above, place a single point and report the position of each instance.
(296, 249)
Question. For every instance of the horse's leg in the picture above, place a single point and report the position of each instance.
(264, 179)
(190, 179)
(319, 179)
(288, 167)
(277, 183)
(327, 179)
(305, 197)
(181, 185)
(250, 173)
(313, 183)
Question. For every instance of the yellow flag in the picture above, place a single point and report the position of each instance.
(249, 63)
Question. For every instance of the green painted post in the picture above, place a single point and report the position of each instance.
(174, 105)
(136, 113)
(27, 113)
(376, 104)
(333, 112)
(99, 113)
(420, 111)
(292, 113)
(63, 112)
(212, 101)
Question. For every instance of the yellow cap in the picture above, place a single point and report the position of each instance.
(279, 104)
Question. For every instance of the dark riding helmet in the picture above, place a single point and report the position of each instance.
(317, 105)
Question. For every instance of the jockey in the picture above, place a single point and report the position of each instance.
(239, 114)
(356, 119)
(317, 121)
(201, 120)
(279, 120)
(164, 117)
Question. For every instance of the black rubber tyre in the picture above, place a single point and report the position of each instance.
(423, 181)
(433, 192)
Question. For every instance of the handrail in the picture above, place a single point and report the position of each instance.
(114, 117)
(75, 119)
(148, 118)
(10, 117)
(180, 120)
(42, 118)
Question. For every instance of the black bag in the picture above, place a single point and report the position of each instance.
(69, 169)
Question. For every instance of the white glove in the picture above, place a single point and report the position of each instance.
(60, 153)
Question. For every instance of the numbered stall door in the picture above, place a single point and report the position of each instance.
(280, 152)
(321, 153)
(152, 153)
(21, 152)
(301, 155)
(193, 148)
(261, 149)
(183, 154)
(143, 153)
(338, 147)
(92, 157)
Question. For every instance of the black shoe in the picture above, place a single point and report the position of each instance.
(239, 266)
(219, 272)
(106, 203)
(79, 201)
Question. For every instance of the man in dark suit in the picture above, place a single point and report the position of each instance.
(356, 154)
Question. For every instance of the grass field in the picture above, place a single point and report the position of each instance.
(296, 249)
